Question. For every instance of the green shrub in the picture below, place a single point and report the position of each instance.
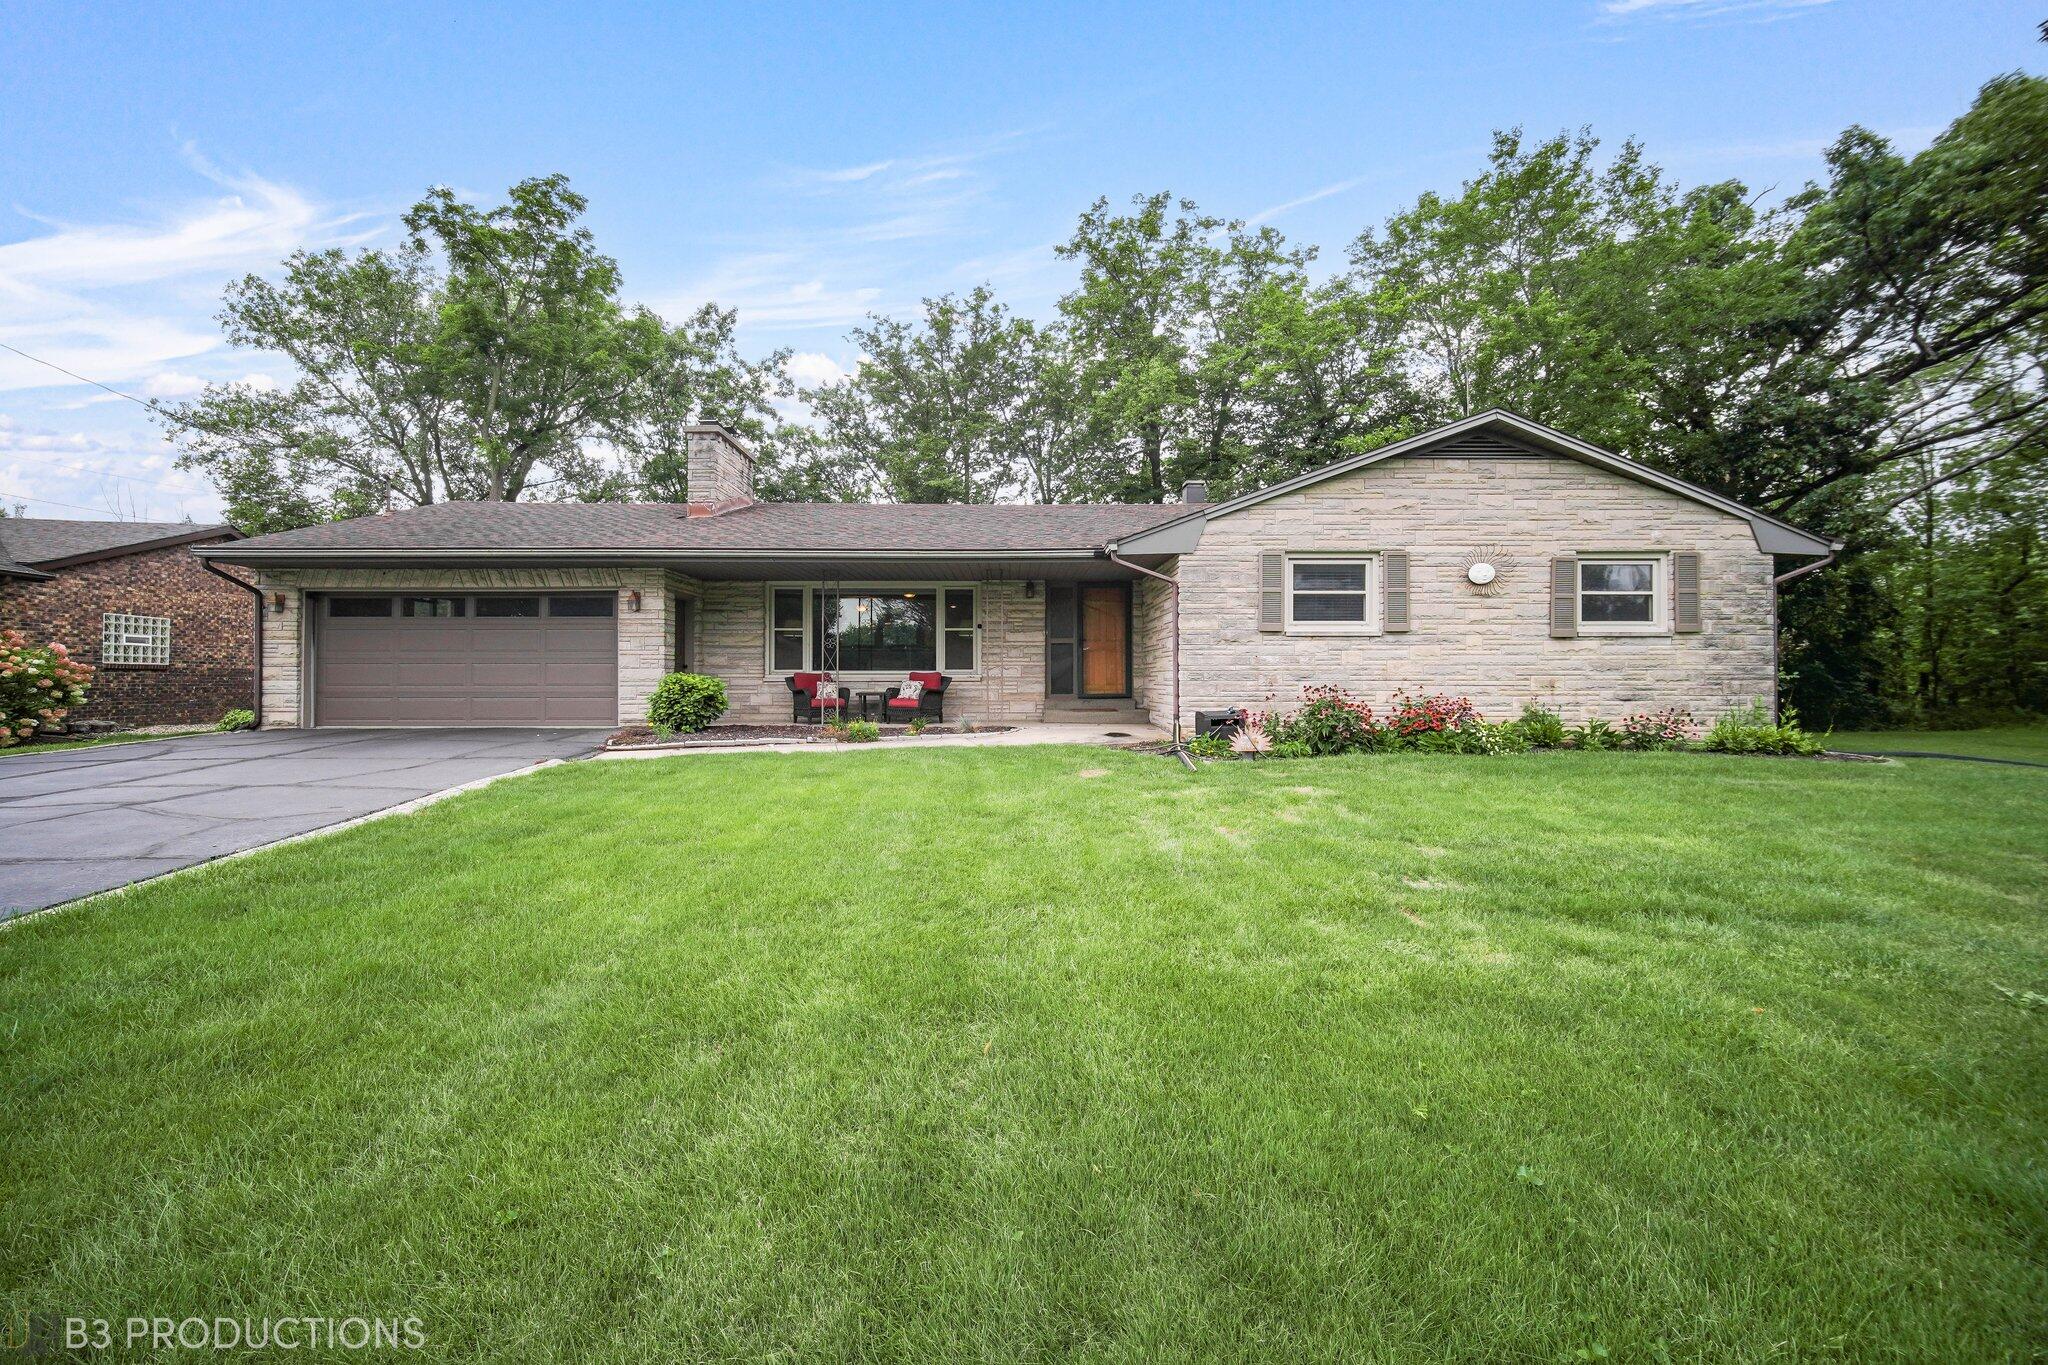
(1329, 722)
(1210, 746)
(1290, 748)
(240, 718)
(1593, 736)
(685, 703)
(1750, 730)
(1472, 737)
(1506, 738)
(918, 724)
(1543, 729)
(862, 732)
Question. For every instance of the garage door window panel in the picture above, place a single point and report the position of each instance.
(581, 606)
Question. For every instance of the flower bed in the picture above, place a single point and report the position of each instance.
(1331, 720)
(726, 736)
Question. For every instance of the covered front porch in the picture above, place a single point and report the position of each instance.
(1018, 642)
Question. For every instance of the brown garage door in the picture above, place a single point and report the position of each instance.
(498, 659)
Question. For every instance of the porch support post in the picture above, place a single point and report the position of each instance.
(1173, 617)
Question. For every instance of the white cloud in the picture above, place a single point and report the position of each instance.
(101, 299)
(813, 369)
(69, 473)
(128, 302)
(1326, 192)
(784, 288)
(1705, 9)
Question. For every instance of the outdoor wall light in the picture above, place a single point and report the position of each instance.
(1030, 588)
(633, 599)
(277, 603)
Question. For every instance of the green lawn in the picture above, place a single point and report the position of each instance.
(1010, 1054)
(2028, 742)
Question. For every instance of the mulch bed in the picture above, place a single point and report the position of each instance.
(719, 736)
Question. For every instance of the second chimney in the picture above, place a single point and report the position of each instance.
(720, 471)
(1194, 491)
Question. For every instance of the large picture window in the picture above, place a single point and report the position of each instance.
(1331, 595)
(884, 631)
(880, 632)
(1621, 594)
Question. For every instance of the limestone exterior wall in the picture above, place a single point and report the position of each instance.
(646, 637)
(1152, 646)
(1007, 688)
(1497, 649)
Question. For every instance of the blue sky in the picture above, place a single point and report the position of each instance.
(808, 164)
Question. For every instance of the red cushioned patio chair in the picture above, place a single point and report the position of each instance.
(931, 705)
(804, 703)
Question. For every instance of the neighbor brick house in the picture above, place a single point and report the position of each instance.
(1494, 557)
(171, 643)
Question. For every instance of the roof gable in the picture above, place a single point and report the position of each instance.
(1491, 435)
(53, 543)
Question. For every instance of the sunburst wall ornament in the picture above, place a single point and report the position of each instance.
(1488, 569)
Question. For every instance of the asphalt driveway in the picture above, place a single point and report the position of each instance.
(85, 820)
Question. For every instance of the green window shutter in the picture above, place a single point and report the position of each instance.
(1394, 564)
(1564, 596)
(1272, 592)
(1685, 592)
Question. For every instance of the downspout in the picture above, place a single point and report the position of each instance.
(1782, 579)
(1173, 616)
(256, 660)
(1778, 582)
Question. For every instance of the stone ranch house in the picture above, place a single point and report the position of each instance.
(171, 643)
(1493, 557)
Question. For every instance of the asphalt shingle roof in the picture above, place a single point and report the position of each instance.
(852, 527)
(38, 540)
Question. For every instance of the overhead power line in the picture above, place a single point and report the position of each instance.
(51, 364)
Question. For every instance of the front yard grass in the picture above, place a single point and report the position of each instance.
(1009, 1054)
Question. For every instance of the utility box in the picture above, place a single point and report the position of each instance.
(1218, 722)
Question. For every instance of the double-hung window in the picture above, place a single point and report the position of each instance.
(788, 609)
(129, 639)
(1332, 594)
(1622, 594)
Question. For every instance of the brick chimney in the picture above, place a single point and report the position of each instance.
(721, 469)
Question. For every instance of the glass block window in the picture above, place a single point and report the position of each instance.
(126, 639)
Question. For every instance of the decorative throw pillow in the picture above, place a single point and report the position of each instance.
(910, 689)
(827, 690)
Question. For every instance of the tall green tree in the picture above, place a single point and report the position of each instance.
(935, 410)
(1165, 319)
(489, 356)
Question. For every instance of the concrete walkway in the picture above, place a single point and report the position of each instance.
(80, 821)
(1022, 734)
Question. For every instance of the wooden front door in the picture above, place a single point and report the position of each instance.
(1105, 640)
